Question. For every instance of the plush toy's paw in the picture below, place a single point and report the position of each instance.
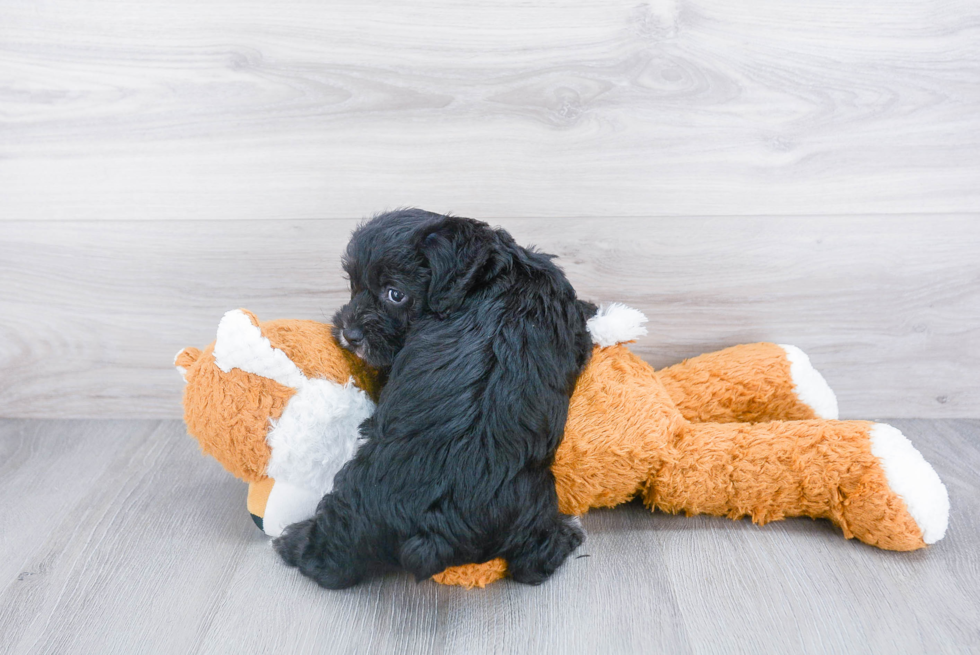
(898, 501)
(545, 552)
(809, 386)
(274, 505)
(913, 479)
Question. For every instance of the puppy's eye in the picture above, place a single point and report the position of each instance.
(395, 296)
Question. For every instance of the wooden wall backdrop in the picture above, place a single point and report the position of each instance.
(799, 172)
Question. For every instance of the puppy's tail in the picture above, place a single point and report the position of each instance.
(425, 555)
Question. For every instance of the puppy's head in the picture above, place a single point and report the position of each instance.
(410, 264)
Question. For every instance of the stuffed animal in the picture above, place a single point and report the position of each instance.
(746, 431)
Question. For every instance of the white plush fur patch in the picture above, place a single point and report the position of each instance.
(287, 504)
(809, 385)
(616, 323)
(240, 344)
(913, 478)
(317, 434)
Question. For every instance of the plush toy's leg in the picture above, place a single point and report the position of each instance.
(749, 383)
(258, 498)
(865, 477)
(276, 504)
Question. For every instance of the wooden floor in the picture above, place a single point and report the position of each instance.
(119, 537)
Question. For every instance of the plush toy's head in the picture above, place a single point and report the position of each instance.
(279, 400)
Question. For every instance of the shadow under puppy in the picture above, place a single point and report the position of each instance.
(482, 341)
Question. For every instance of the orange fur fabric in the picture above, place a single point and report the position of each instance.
(748, 383)
(746, 431)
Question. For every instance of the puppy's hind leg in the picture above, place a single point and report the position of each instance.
(324, 548)
(546, 547)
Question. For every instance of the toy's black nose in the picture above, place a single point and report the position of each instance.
(353, 335)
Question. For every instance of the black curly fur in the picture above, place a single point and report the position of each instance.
(482, 353)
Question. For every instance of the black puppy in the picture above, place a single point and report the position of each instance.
(482, 341)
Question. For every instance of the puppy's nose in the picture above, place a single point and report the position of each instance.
(353, 335)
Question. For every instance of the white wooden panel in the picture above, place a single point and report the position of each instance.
(250, 109)
(92, 313)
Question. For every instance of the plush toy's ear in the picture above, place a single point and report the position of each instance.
(461, 254)
(240, 344)
(184, 359)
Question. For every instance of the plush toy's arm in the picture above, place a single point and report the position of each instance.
(274, 504)
(749, 383)
(865, 477)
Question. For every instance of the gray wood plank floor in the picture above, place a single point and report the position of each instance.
(119, 537)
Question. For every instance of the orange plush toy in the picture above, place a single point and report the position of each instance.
(747, 431)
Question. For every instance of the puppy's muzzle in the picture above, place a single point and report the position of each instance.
(353, 336)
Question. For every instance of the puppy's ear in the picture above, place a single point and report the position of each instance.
(461, 254)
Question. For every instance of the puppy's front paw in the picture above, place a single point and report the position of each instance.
(322, 556)
(293, 542)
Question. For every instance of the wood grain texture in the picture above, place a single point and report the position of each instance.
(92, 313)
(149, 549)
(163, 110)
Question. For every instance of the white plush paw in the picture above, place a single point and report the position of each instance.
(288, 504)
(809, 385)
(913, 478)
